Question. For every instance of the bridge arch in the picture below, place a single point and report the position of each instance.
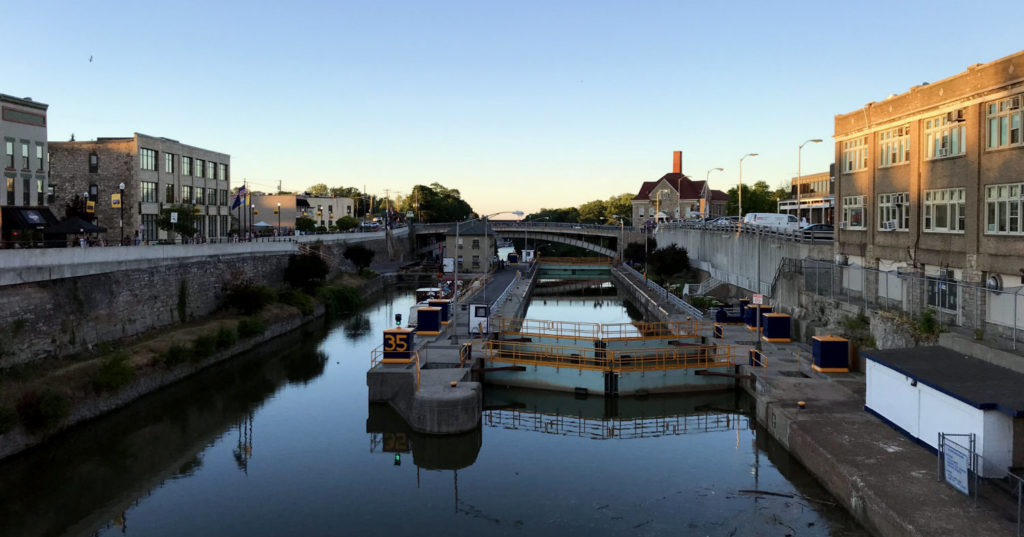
(554, 237)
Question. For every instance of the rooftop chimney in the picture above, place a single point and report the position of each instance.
(677, 162)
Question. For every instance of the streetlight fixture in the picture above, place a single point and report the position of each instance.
(739, 189)
(622, 237)
(798, 174)
(278, 212)
(707, 203)
(121, 203)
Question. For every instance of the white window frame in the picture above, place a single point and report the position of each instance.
(1002, 209)
(1004, 120)
(855, 154)
(950, 200)
(851, 204)
(894, 207)
(894, 146)
(945, 136)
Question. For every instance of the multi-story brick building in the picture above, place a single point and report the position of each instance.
(930, 183)
(156, 173)
(675, 196)
(25, 167)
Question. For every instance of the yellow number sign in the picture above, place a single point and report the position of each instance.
(396, 342)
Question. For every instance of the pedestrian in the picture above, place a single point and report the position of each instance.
(136, 239)
(803, 221)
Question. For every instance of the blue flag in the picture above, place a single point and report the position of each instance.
(238, 197)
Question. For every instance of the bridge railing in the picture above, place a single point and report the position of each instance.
(500, 301)
(682, 357)
(795, 235)
(574, 260)
(529, 353)
(679, 303)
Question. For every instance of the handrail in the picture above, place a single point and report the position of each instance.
(596, 359)
(676, 301)
(655, 329)
(528, 353)
(498, 302)
(377, 358)
(538, 327)
(619, 428)
(574, 260)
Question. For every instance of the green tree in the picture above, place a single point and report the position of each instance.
(435, 203)
(568, 214)
(592, 212)
(346, 223)
(306, 225)
(621, 204)
(305, 271)
(359, 255)
(759, 198)
(635, 251)
(319, 190)
(186, 224)
(668, 261)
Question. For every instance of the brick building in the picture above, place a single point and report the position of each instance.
(675, 196)
(156, 173)
(930, 183)
(25, 169)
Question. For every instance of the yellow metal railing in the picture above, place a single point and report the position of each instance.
(377, 357)
(758, 359)
(597, 359)
(574, 260)
(558, 329)
(642, 330)
(620, 428)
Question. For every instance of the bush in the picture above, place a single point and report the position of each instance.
(114, 372)
(928, 325)
(359, 255)
(306, 271)
(251, 326)
(42, 410)
(339, 300)
(175, 355)
(248, 298)
(704, 302)
(204, 346)
(7, 419)
(300, 300)
(367, 273)
(226, 337)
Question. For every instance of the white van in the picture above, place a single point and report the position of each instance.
(775, 221)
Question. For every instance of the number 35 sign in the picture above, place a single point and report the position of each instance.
(398, 343)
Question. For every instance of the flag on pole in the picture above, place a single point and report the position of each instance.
(238, 197)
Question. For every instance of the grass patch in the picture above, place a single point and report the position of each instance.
(298, 299)
(251, 326)
(175, 355)
(203, 347)
(226, 337)
(114, 373)
(42, 410)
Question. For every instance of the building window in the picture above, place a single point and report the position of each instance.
(222, 172)
(1003, 205)
(223, 197)
(213, 226)
(24, 156)
(39, 159)
(211, 170)
(148, 159)
(211, 196)
(51, 193)
(10, 155)
(148, 192)
(224, 225)
(186, 165)
(476, 261)
(10, 191)
(40, 192)
(1004, 123)
(894, 146)
(894, 211)
(149, 227)
(942, 291)
(169, 194)
(186, 194)
(200, 195)
(855, 154)
(169, 162)
(945, 136)
(476, 244)
(945, 210)
(199, 167)
(853, 212)
(26, 198)
(94, 162)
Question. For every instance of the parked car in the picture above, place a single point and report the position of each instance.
(818, 231)
(774, 221)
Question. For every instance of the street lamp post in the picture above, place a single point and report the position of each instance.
(622, 237)
(707, 185)
(798, 174)
(526, 232)
(121, 203)
(279, 218)
(739, 189)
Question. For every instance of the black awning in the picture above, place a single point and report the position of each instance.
(300, 202)
(73, 225)
(38, 218)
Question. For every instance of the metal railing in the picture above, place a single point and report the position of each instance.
(795, 235)
(597, 359)
(702, 288)
(377, 358)
(574, 260)
(661, 292)
(541, 328)
(500, 301)
(558, 356)
(656, 329)
(614, 428)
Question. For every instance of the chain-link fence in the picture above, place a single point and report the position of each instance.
(950, 302)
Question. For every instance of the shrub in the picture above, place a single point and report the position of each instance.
(42, 410)
(339, 300)
(114, 372)
(359, 255)
(927, 324)
(300, 300)
(7, 419)
(367, 273)
(251, 326)
(306, 271)
(248, 298)
(226, 337)
(704, 302)
(175, 355)
(204, 346)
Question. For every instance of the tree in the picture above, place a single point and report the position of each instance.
(635, 251)
(305, 271)
(592, 212)
(757, 199)
(306, 225)
(668, 261)
(359, 255)
(346, 223)
(319, 190)
(436, 203)
(186, 224)
(345, 192)
(568, 214)
(621, 205)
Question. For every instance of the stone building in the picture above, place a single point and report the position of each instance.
(476, 245)
(675, 196)
(930, 184)
(157, 173)
(25, 164)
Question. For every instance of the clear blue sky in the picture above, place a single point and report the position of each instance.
(517, 104)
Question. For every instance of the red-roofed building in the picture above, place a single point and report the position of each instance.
(675, 196)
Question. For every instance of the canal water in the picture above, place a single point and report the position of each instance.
(283, 442)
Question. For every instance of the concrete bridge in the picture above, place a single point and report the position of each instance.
(603, 240)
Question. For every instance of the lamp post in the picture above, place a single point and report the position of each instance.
(121, 203)
(526, 232)
(798, 174)
(622, 236)
(279, 218)
(739, 189)
(252, 212)
(707, 185)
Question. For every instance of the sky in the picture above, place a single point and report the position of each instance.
(519, 105)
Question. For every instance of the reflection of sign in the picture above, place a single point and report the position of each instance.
(956, 466)
(90, 207)
(174, 218)
(396, 442)
(758, 299)
(115, 200)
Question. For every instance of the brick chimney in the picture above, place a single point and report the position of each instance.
(677, 162)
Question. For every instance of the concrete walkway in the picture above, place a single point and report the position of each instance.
(887, 481)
